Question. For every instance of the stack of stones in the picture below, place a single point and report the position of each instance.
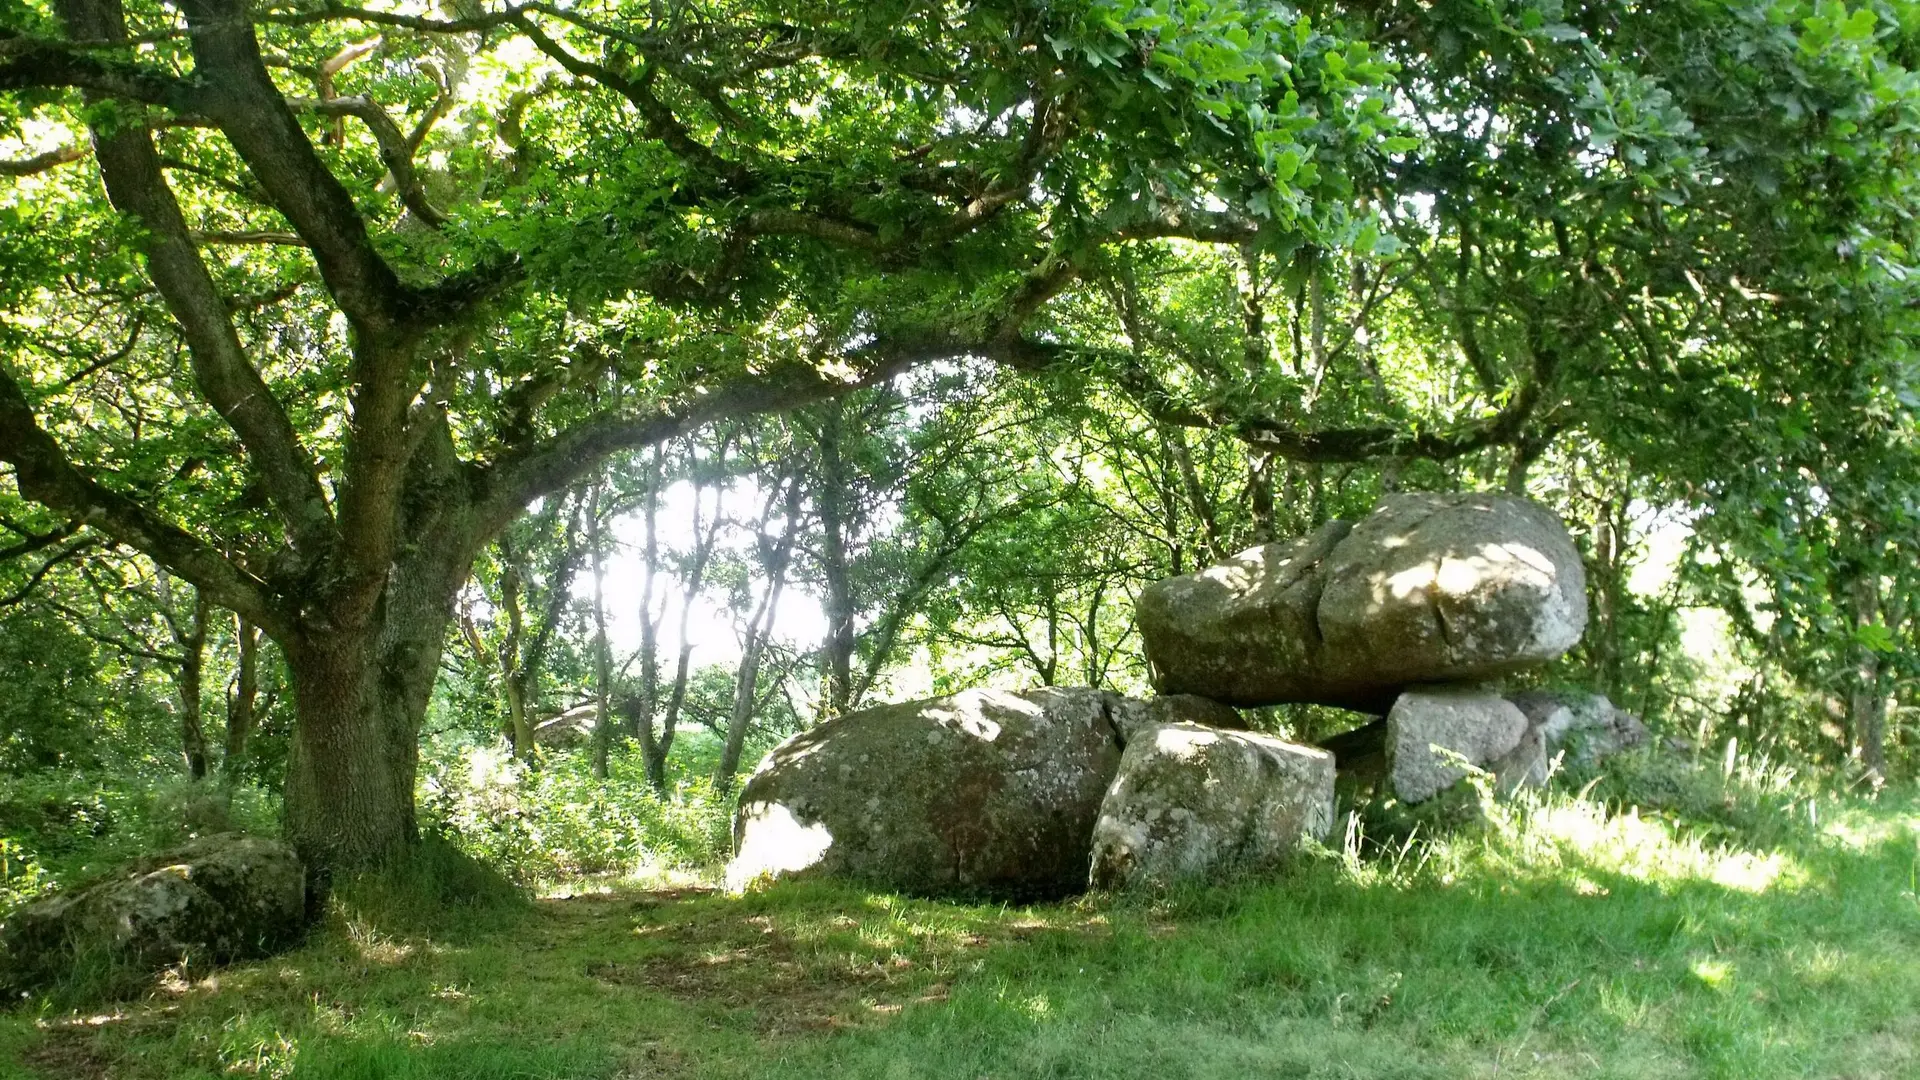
(1410, 613)
(1407, 613)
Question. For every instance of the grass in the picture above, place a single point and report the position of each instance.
(1562, 937)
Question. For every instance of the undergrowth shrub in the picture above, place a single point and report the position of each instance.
(57, 828)
(540, 825)
(1651, 815)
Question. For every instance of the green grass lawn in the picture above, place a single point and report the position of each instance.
(1560, 940)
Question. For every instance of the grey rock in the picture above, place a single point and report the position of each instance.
(1132, 716)
(1581, 728)
(1194, 803)
(1428, 588)
(984, 793)
(1434, 733)
(210, 901)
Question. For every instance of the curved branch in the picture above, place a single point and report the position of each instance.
(557, 462)
(237, 91)
(40, 163)
(396, 149)
(222, 373)
(44, 475)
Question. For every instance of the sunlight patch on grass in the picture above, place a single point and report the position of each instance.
(1573, 839)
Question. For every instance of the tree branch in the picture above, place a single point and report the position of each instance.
(396, 150)
(45, 476)
(222, 372)
(237, 91)
(40, 163)
(561, 460)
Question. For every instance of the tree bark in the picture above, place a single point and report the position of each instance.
(243, 706)
(653, 755)
(1867, 703)
(839, 644)
(602, 653)
(696, 577)
(759, 632)
(360, 693)
(193, 667)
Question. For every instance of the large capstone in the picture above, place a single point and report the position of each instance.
(1194, 803)
(210, 901)
(1435, 735)
(1428, 588)
(985, 793)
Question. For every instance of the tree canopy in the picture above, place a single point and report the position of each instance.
(308, 303)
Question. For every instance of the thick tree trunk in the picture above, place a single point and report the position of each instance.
(360, 693)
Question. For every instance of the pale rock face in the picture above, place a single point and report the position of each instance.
(1428, 588)
(1585, 729)
(1429, 727)
(984, 793)
(1194, 803)
(212, 900)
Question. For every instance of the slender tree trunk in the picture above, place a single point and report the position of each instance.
(1867, 703)
(640, 727)
(759, 632)
(696, 576)
(243, 706)
(839, 644)
(602, 654)
(192, 678)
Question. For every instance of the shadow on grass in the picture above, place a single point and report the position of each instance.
(1578, 970)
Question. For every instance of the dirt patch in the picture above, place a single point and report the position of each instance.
(69, 1052)
(787, 988)
(801, 969)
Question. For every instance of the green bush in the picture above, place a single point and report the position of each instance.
(557, 821)
(60, 827)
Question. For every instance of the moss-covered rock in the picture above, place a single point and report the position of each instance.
(210, 901)
(1428, 588)
(984, 793)
(1194, 803)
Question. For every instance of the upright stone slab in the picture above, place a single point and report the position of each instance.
(1194, 803)
(984, 793)
(1435, 732)
(1429, 588)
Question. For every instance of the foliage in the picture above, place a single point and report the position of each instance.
(557, 822)
(58, 828)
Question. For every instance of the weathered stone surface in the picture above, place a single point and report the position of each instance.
(1194, 803)
(984, 793)
(1586, 728)
(1428, 588)
(210, 901)
(1428, 726)
(1132, 716)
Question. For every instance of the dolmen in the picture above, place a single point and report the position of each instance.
(1029, 796)
(1410, 614)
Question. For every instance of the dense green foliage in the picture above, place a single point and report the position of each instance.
(532, 412)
